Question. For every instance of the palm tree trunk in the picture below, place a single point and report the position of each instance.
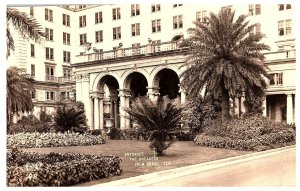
(225, 105)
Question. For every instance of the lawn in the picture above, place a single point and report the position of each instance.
(135, 153)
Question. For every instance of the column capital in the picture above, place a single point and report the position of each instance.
(86, 77)
(124, 93)
(153, 91)
(78, 77)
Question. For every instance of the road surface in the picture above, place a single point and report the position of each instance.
(278, 169)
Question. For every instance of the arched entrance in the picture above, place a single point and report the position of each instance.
(106, 102)
(168, 83)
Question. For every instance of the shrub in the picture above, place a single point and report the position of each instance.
(55, 169)
(37, 140)
(250, 133)
(71, 118)
(19, 128)
(115, 134)
(44, 117)
(159, 118)
(96, 132)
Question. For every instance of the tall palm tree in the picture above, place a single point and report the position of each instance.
(18, 87)
(225, 59)
(27, 26)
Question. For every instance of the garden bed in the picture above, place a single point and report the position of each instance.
(55, 169)
(37, 140)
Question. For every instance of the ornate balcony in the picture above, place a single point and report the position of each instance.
(59, 79)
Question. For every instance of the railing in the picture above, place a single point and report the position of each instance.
(126, 52)
(59, 79)
(280, 55)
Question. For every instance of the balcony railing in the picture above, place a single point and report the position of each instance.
(126, 52)
(59, 79)
(163, 47)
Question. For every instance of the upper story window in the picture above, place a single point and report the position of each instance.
(201, 16)
(155, 7)
(32, 52)
(66, 38)
(67, 56)
(256, 29)
(50, 71)
(31, 11)
(177, 22)
(82, 21)
(99, 36)
(282, 7)
(50, 95)
(156, 25)
(135, 9)
(177, 5)
(48, 15)
(254, 9)
(98, 17)
(116, 13)
(49, 53)
(67, 72)
(33, 70)
(82, 6)
(49, 34)
(82, 38)
(33, 94)
(66, 20)
(285, 27)
(117, 33)
(276, 79)
(135, 29)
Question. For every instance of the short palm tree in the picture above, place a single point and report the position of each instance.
(18, 87)
(27, 26)
(225, 59)
(159, 118)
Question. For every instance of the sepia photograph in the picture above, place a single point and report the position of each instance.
(136, 94)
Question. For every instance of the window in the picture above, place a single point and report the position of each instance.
(177, 22)
(82, 21)
(32, 70)
(156, 25)
(50, 95)
(280, 7)
(82, 6)
(288, 6)
(135, 29)
(177, 5)
(66, 38)
(98, 17)
(48, 15)
(32, 52)
(67, 56)
(66, 20)
(201, 16)
(31, 11)
(256, 29)
(155, 7)
(67, 72)
(49, 34)
(33, 94)
(99, 36)
(276, 79)
(117, 33)
(116, 14)
(49, 53)
(257, 9)
(135, 9)
(285, 27)
(50, 72)
(82, 38)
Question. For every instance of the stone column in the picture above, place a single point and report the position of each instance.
(116, 115)
(92, 113)
(121, 111)
(153, 93)
(96, 112)
(289, 108)
(264, 105)
(237, 106)
(182, 95)
(78, 87)
(127, 105)
(101, 110)
(85, 98)
(243, 109)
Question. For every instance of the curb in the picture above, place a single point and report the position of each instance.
(182, 171)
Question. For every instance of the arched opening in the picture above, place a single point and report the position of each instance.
(137, 83)
(177, 38)
(168, 82)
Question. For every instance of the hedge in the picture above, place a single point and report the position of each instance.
(37, 140)
(55, 169)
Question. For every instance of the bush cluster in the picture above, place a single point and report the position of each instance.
(55, 169)
(37, 140)
(249, 133)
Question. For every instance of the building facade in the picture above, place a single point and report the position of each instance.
(121, 51)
